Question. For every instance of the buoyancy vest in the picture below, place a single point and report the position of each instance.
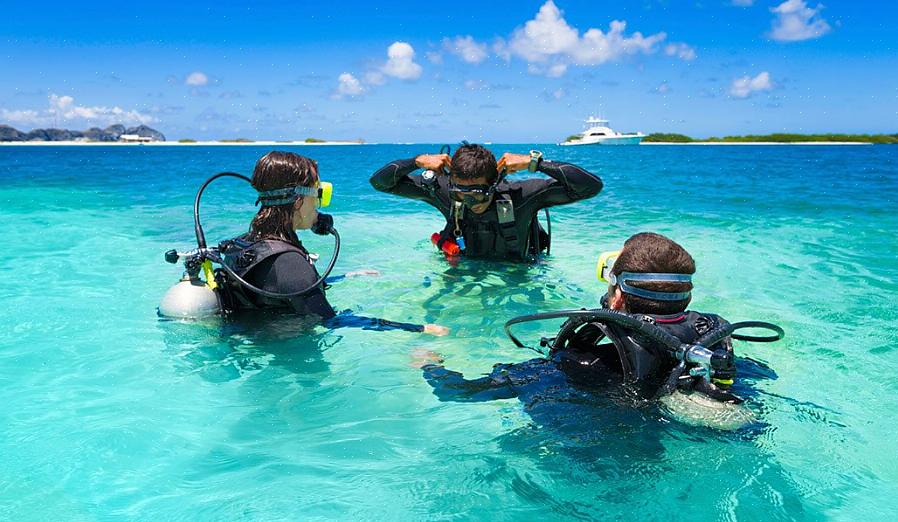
(241, 256)
(502, 231)
(636, 359)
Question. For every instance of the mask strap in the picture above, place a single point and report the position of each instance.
(652, 278)
(285, 196)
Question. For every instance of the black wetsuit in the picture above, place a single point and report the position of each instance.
(289, 269)
(484, 234)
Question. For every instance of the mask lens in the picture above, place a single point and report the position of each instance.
(325, 192)
(605, 264)
(472, 194)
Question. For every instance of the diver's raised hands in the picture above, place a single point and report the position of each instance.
(434, 162)
(513, 162)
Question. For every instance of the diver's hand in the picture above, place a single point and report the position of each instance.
(435, 162)
(365, 272)
(513, 162)
(423, 357)
(435, 329)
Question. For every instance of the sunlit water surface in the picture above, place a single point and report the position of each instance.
(110, 413)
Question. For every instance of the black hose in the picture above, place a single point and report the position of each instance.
(278, 295)
(718, 334)
(201, 243)
(620, 318)
(197, 227)
(548, 232)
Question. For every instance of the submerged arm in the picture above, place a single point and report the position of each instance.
(452, 386)
(350, 320)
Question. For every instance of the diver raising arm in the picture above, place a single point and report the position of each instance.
(487, 215)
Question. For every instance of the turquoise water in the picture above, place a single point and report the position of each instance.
(110, 413)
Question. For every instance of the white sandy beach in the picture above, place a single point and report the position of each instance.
(173, 143)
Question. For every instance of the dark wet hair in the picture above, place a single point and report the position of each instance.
(472, 161)
(277, 170)
(650, 252)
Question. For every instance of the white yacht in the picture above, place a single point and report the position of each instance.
(599, 133)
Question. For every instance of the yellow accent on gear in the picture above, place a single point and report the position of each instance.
(603, 262)
(210, 275)
(327, 191)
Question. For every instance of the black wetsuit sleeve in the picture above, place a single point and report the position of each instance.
(395, 178)
(569, 183)
(291, 272)
(452, 386)
(349, 320)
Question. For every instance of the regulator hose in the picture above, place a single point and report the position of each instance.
(197, 227)
(584, 316)
(216, 258)
(323, 226)
(718, 334)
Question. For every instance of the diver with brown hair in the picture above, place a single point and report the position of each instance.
(643, 336)
(486, 215)
(268, 268)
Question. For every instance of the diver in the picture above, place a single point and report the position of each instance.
(643, 337)
(487, 216)
(268, 268)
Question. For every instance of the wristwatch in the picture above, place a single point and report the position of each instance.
(535, 157)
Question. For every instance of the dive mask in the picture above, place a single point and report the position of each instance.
(323, 192)
(604, 274)
(471, 194)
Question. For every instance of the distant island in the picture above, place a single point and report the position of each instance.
(120, 135)
(113, 133)
(886, 139)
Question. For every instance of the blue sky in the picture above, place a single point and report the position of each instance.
(519, 71)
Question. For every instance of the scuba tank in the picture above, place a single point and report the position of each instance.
(195, 298)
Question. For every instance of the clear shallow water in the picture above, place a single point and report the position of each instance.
(109, 413)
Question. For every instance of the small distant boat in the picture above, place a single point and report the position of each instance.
(599, 133)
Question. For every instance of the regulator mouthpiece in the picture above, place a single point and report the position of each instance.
(324, 225)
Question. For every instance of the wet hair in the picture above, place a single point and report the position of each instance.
(472, 161)
(277, 170)
(650, 252)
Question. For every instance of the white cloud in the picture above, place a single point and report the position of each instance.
(434, 57)
(375, 78)
(550, 45)
(743, 3)
(19, 117)
(466, 48)
(63, 109)
(746, 86)
(196, 79)
(680, 50)
(348, 86)
(401, 63)
(795, 21)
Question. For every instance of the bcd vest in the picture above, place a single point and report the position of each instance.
(500, 231)
(635, 358)
(241, 256)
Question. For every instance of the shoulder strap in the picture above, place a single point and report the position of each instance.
(242, 256)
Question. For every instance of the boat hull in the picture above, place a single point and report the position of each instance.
(607, 140)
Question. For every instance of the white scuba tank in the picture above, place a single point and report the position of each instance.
(191, 298)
